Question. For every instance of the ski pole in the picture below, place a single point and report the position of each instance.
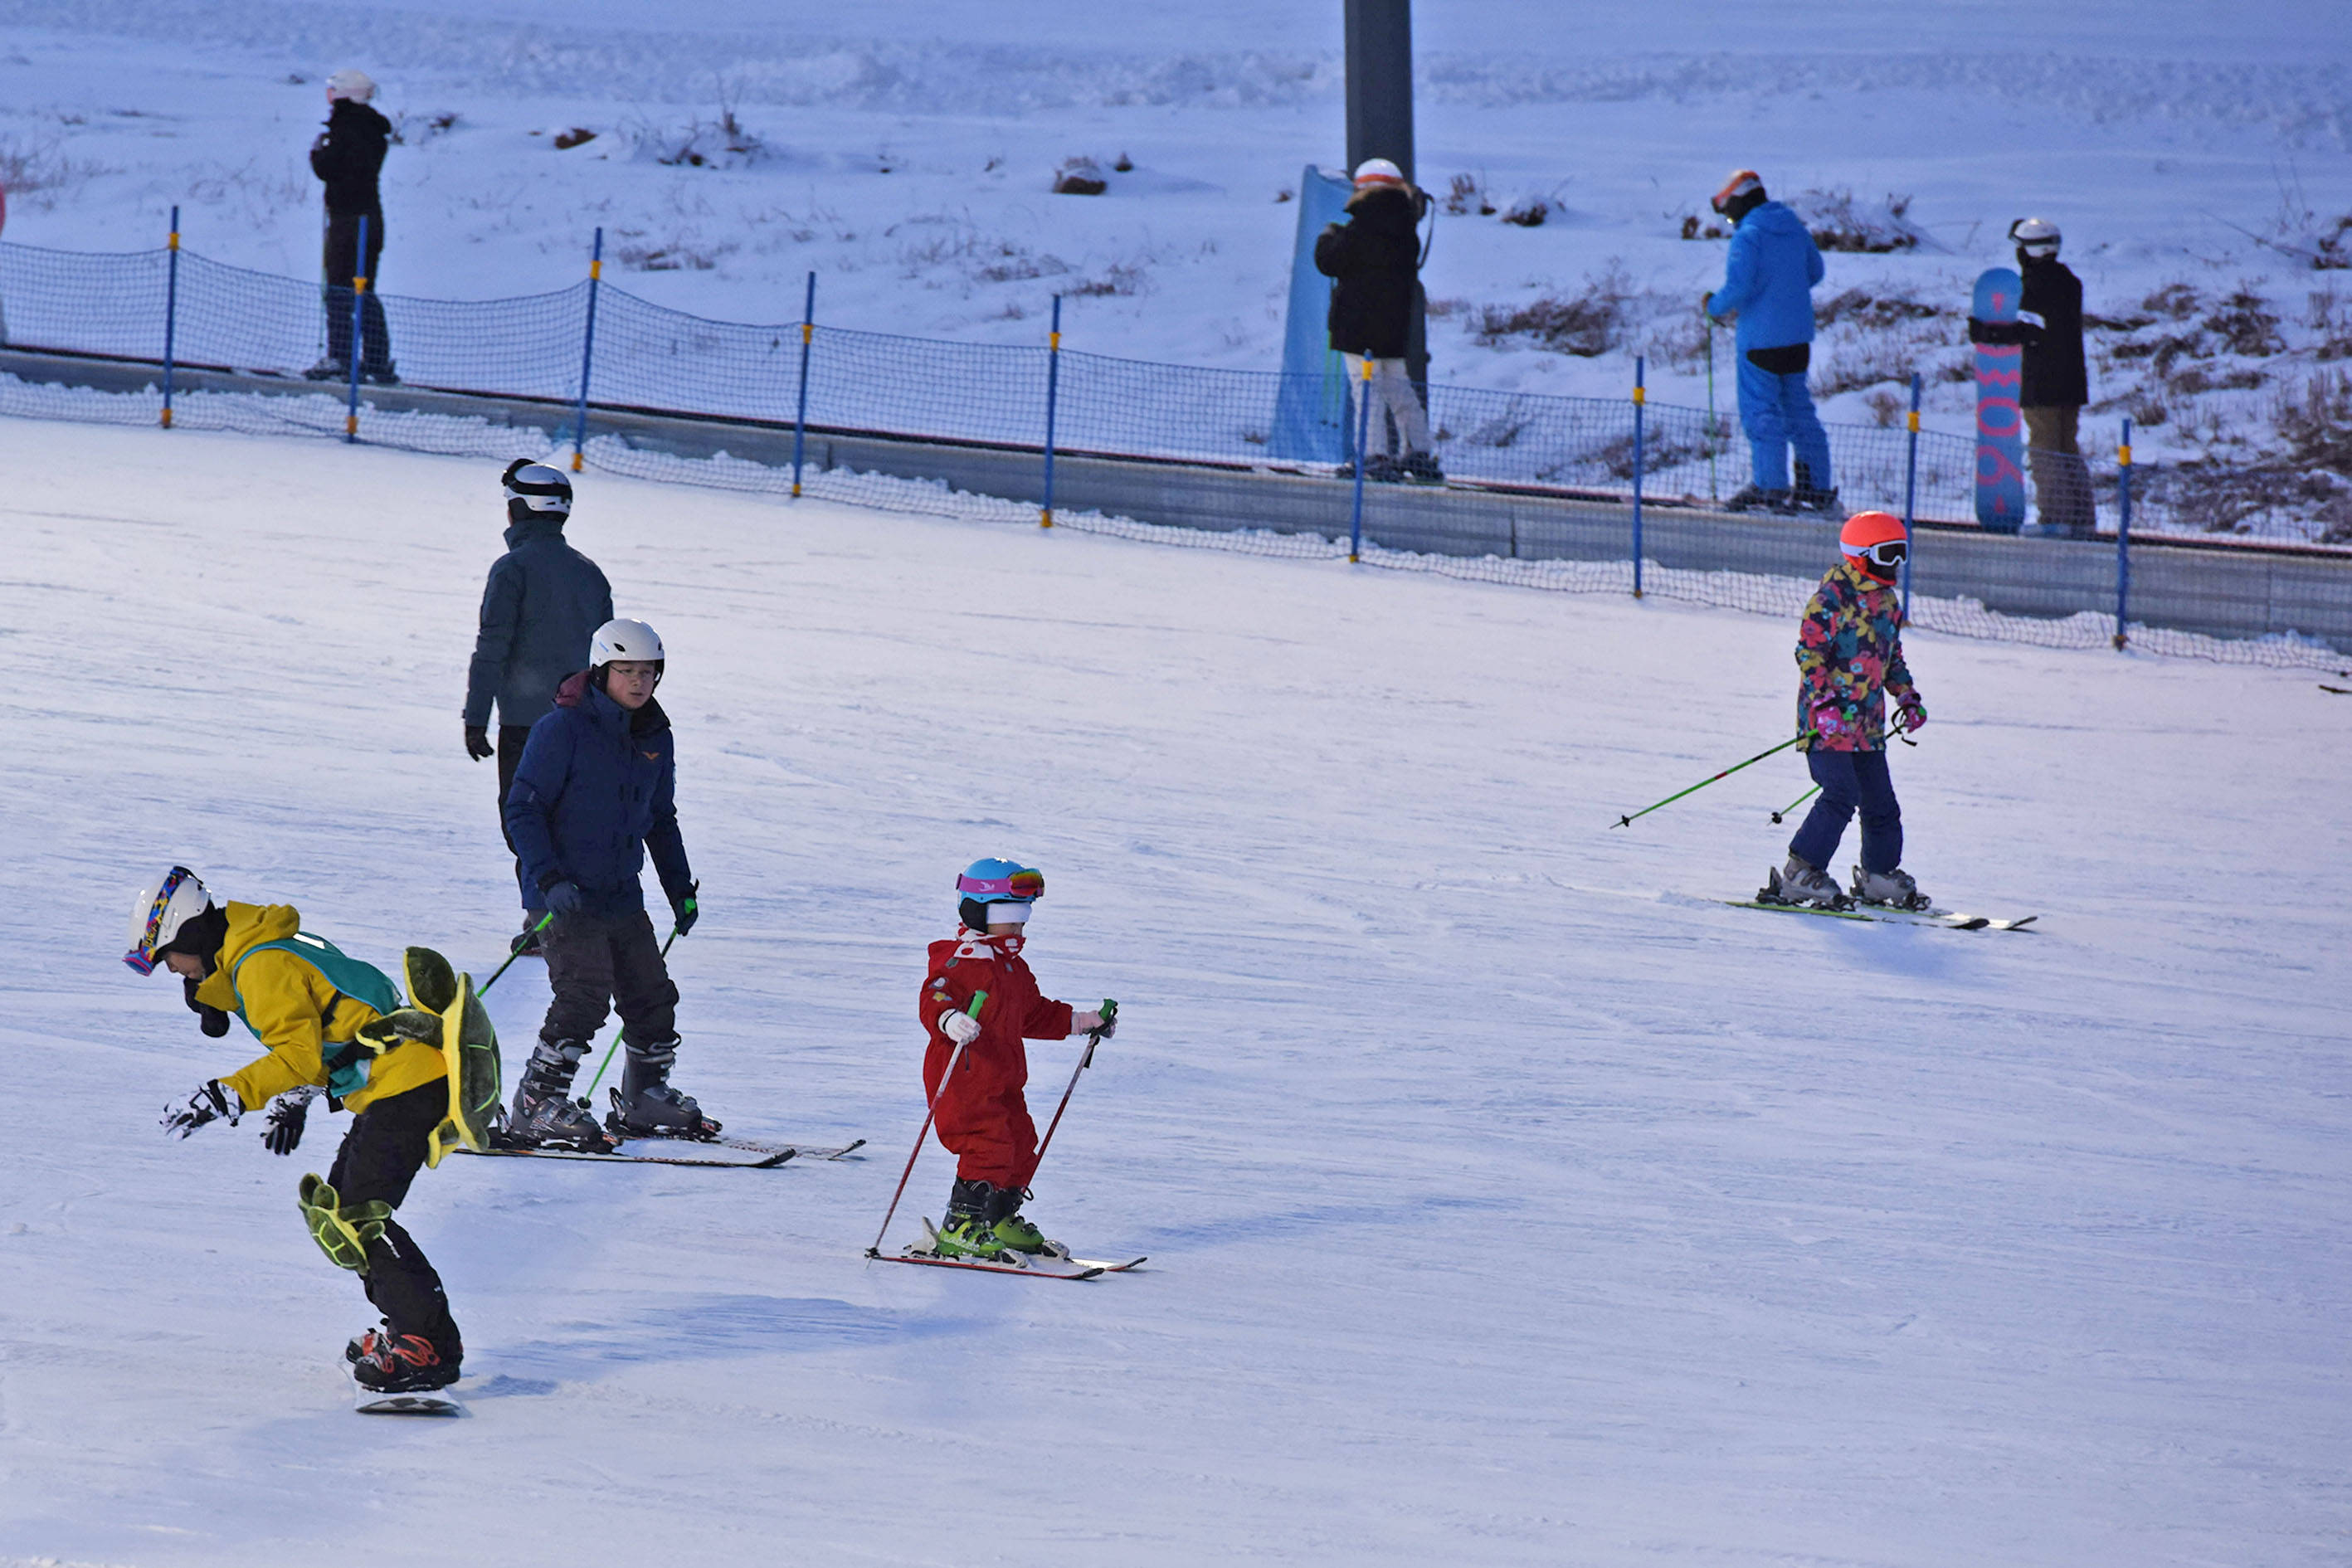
(493, 980)
(1094, 1039)
(1628, 821)
(916, 1153)
(1796, 803)
(589, 1092)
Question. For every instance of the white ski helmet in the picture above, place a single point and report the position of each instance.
(1378, 172)
(625, 640)
(542, 490)
(355, 85)
(163, 907)
(2035, 237)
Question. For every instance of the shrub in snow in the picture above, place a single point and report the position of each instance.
(1839, 222)
(1079, 177)
(1528, 211)
(721, 143)
(579, 135)
(1465, 193)
(1586, 325)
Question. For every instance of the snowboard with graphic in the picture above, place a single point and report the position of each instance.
(2000, 424)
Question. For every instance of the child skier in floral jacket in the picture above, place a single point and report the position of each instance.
(1850, 659)
(980, 1002)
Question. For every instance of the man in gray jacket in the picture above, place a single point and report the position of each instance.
(543, 602)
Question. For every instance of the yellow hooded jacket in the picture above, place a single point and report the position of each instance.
(294, 1010)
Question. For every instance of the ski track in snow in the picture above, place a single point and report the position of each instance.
(1507, 1202)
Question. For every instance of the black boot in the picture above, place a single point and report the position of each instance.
(646, 1105)
(544, 1114)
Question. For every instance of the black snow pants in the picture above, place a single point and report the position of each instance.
(600, 962)
(343, 262)
(512, 738)
(378, 1158)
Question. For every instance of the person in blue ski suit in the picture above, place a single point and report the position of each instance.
(1768, 282)
(594, 794)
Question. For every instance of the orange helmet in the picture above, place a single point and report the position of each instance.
(1877, 542)
(1743, 181)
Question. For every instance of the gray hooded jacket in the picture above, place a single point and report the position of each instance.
(543, 602)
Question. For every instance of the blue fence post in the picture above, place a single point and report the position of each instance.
(171, 312)
(1910, 491)
(1363, 438)
(800, 413)
(358, 298)
(2122, 537)
(588, 346)
(1053, 399)
(1641, 398)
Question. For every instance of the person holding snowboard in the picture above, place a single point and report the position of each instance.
(1375, 259)
(594, 792)
(1850, 660)
(328, 1022)
(2055, 382)
(542, 603)
(1768, 282)
(347, 157)
(979, 1003)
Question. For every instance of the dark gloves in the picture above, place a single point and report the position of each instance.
(687, 911)
(286, 1117)
(1995, 334)
(209, 1103)
(564, 898)
(477, 741)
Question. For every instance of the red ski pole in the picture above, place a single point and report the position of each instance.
(1094, 1039)
(916, 1153)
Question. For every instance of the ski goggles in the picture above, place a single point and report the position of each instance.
(143, 957)
(1021, 886)
(1889, 554)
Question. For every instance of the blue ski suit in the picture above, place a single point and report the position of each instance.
(1767, 279)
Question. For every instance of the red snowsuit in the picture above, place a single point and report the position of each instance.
(984, 1117)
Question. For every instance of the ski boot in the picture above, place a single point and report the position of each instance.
(1756, 498)
(985, 1221)
(646, 1105)
(1420, 468)
(1805, 498)
(1800, 883)
(403, 1363)
(544, 1115)
(1893, 890)
(328, 369)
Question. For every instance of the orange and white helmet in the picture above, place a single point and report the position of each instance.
(1742, 183)
(355, 85)
(1378, 172)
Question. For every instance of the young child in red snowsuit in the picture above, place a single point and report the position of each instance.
(976, 1068)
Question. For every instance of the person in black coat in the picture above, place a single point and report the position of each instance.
(543, 602)
(2054, 383)
(1375, 259)
(347, 157)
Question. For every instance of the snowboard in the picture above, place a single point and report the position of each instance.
(469, 1047)
(429, 1402)
(2000, 424)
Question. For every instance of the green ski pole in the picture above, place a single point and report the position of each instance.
(1796, 803)
(1628, 821)
(501, 969)
(977, 997)
(589, 1092)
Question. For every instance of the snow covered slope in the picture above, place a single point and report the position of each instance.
(1508, 1200)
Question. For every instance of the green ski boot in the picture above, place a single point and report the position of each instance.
(1014, 1232)
(971, 1228)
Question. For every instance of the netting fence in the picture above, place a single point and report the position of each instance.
(1568, 493)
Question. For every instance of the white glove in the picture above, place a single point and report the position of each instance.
(1101, 1024)
(961, 1027)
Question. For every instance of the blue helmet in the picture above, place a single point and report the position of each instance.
(997, 891)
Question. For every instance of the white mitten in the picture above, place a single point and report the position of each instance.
(961, 1027)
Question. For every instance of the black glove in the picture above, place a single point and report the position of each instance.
(210, 1103)
(1994, 334)
(687, 911)
(564, 898)
(477, 741)
(286, 1116)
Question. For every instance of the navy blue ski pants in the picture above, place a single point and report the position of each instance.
(1851, 779)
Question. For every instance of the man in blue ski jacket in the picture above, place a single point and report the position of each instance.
(542, 603)
(596, 794)
(1768, 283)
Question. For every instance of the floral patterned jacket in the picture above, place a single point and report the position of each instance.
(1849, 656)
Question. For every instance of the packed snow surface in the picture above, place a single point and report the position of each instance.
(1509, 1200)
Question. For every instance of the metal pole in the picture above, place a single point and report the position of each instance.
(1363, 435)
(1910, 491)
(358, 298)
(171, 314)
(2122, 537)
(800, 415)
(1052, 397)
(1711, 431)
(1641, 397)
(588, 346)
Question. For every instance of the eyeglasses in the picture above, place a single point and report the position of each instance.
(1891, 554)
(142, 958)
(1022, 885)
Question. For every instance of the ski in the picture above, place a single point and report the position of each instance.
(1949, 920)
(1040, 1268)
(766, 1161)
(426, 1402)
(754, 1146)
